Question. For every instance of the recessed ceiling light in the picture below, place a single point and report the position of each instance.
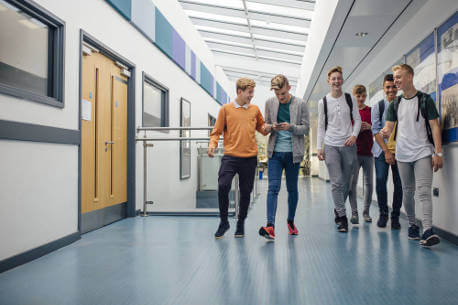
(361, 34)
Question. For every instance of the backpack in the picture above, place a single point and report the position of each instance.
(422, 97)
(325, 104)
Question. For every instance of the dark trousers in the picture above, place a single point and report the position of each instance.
(246, 168)
(381, 173)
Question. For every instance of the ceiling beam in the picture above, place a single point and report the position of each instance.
(214, 42)
(260, 30)
(300, 4)
(273, 59)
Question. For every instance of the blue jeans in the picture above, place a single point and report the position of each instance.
(278, 162)
(381, 174)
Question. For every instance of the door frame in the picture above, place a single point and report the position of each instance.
(131, 129)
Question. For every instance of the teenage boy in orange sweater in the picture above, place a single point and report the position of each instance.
(239, 121)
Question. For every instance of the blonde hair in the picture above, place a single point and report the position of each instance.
(335, 69)
(278, 82)
(359, 89)
(404, 67)
(243, 83)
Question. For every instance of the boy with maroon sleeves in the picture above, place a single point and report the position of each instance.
(365, 160)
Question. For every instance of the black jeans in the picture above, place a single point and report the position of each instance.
(381, 173)
(246, 168)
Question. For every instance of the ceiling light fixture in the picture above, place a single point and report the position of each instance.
(361, 34)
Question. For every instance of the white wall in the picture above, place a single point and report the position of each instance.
(39, 194)
(39, 182)
(396, 43)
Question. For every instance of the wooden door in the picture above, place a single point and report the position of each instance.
(103, 134)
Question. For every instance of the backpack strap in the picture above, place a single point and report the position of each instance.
(422, 109)
(381, 110)
(396, 107)
(325, 104)
(350, 104)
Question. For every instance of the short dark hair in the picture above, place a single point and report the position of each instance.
(388, 78)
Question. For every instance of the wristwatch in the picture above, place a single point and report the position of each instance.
(439, 154)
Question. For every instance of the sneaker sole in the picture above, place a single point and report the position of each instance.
(395, 228)
(414, 238)
(430, 241)
(343, 230)
(239, 235)
(267, 237)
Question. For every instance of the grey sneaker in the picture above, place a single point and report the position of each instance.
(367, 218)
(354, 219)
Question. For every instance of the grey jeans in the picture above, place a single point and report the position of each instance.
(417, 177)
(340, 162)
(367, 163)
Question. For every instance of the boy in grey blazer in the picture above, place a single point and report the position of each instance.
(287, 120)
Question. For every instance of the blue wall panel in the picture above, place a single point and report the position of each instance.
(206, 79)
(122, 6)
(179, 50)
(164, 34)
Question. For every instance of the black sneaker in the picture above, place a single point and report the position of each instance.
(395, 225)
(382, 220)
(223, 227)
(343, 224)
(240, 231)
(429, 239)
(414, 232)
(336, 217)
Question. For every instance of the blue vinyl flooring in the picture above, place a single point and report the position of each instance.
(176, 260)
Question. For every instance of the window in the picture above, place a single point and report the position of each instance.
(155, 103)
(31, 53)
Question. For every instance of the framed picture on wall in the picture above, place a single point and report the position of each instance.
(447, 74)
(185, 146)
(211, 122)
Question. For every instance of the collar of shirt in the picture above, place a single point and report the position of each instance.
(238, 106)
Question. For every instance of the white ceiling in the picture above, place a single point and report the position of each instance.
(342, 47)
(270, 36)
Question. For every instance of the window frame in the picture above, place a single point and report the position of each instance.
(164, 103)
(56, 56)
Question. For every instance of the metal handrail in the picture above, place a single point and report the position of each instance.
(172, 128)
(172, 139)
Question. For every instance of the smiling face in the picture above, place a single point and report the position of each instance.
(403, 79)
(245, 96)
(335, 81)
(360, 99)
(390, 90)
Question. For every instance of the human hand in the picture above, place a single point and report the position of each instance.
(267, 127)
(211, 152)
(389, 158)
(320, 155)
(276, 126)
(350, 141)
(438, 162)
(284, 126)
(385, 132)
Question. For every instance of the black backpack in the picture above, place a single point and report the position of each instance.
(325, 104)
(422, 97)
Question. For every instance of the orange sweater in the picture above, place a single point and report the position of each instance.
(239, 126)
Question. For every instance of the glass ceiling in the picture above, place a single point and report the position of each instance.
(259, 30)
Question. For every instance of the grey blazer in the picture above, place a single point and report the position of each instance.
(299, 116)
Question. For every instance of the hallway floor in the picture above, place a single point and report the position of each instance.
(176, 260)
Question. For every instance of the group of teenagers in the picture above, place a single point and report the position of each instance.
(400, 131)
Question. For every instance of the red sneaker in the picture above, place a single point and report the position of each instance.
(268, 233)
(292, 229)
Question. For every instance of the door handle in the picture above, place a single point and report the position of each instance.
(108, 143)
